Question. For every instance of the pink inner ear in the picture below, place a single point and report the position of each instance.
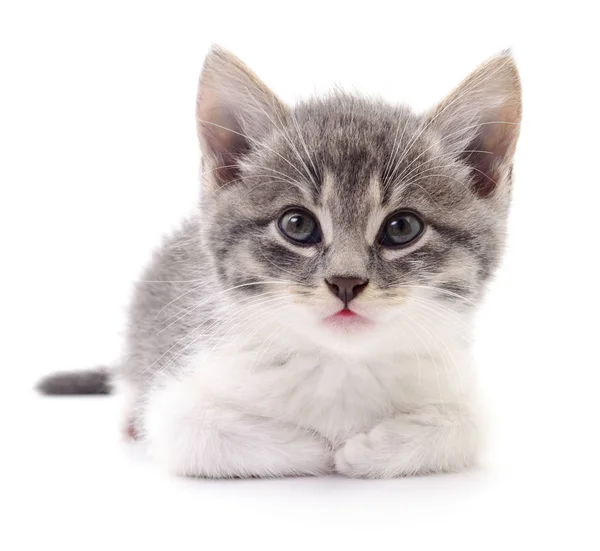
(221, 136)
(489, 152)
(483, 155)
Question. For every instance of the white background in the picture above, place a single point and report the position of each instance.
(98, 158)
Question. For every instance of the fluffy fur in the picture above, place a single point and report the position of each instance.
(230, 370)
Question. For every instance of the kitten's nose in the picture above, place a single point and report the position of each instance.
(346, 288)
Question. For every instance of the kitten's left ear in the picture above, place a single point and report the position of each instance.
(481, 120)
(235, 111)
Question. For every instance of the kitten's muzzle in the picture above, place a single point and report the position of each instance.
(346, 288)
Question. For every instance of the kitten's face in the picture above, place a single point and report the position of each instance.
(349, 221)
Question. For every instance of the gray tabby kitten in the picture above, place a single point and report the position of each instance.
(312, 316)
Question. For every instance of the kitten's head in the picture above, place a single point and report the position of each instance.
(347, 220)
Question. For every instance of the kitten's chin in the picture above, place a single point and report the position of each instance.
(346, 332)
(354, 339)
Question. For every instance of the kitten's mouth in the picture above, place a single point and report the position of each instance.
(345, 313)
(345, 318)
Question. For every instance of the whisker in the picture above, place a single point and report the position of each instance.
(457, 372)
(183, 313)
(431, 356)
(228, 321)
(438, 289)
(221, 292)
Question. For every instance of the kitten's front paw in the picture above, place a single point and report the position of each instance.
(357, 457)
(420, 443)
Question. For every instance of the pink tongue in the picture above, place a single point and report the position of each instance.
(346, 313)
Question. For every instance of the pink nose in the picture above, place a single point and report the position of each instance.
(346, 288)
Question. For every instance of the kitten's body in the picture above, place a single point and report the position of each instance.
(232, 367)
(308, 394)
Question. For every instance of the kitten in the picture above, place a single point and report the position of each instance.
(313, 315)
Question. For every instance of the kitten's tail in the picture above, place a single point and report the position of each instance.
(94, 381)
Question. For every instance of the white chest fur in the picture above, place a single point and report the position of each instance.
(333, 395)
(244, 413)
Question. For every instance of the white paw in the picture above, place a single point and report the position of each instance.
(359, 456)
(405, 446)
(192, 435)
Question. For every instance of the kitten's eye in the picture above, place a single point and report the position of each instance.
(300, 226)
(400, 229)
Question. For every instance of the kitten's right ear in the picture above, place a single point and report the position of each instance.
(480, 121)
(234, 111)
